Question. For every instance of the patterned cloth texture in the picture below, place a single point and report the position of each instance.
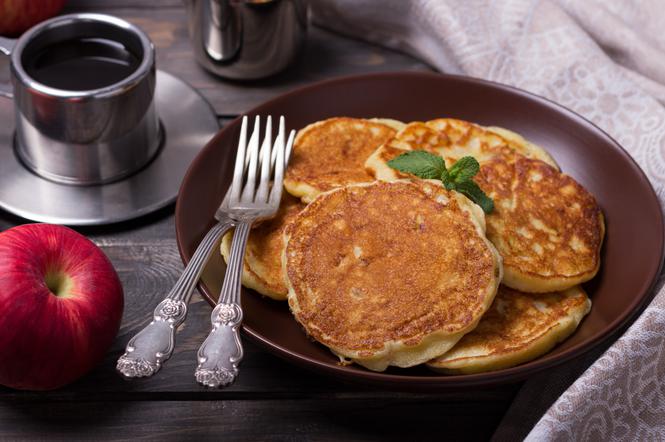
(605, 59)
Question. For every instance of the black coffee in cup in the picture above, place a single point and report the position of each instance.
(81, 64)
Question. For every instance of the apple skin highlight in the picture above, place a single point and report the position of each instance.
(50, 339)
(18, 15)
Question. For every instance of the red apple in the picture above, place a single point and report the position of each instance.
(18, 15)
(60, 306)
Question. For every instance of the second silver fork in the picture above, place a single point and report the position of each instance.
(147, 351)
(251, 197)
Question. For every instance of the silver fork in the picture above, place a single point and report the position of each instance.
(250, 199)
(147, 351)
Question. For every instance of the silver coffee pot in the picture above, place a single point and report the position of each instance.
(246, 39)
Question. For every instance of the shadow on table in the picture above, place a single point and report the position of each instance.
(8, 220)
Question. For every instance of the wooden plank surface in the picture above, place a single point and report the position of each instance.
(272, 399)
(261, 420)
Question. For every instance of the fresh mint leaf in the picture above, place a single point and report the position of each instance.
(464, 169)
(476, 194)
(419, 163)
(459, 177)
(448, 182)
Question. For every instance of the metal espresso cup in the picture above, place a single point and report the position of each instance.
(246, 39)
(84, 137)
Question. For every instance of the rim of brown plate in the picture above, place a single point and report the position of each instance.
(520, 372)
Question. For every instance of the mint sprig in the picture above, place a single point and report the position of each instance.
(419, 163)
(459, 177)
(476, 194)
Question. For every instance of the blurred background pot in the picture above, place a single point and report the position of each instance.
(246, 39)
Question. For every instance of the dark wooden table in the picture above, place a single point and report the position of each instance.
(272, 399)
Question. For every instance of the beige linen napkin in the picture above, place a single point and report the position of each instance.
(606, 60)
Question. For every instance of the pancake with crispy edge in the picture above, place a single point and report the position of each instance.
(390, 273)
(332, 153)
(518, 328)
(547, 227)
(262, 268)
(451, 139)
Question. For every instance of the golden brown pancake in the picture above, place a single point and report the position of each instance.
(517, 328)
(451, 139)
(414, 136)
(485, 142)
(547, 227)
(263, 256)
(524, 146)
(549, 231)
(332, 153)
(390, 273)
(395, 124)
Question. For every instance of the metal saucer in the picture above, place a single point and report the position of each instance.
(188, 121)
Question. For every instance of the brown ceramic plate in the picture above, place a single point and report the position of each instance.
(631, 257)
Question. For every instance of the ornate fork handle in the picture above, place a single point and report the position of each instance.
(151, 347)
(221, 352)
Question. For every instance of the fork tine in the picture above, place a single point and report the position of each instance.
(289, 146)
(279, 134)
(239, 167)
(264, 180)
(264, 144)
(276, 192)
(279, 141)
(253, 147)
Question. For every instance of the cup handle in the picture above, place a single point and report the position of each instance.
(6, 46)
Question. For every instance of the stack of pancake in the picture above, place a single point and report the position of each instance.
(386, 269)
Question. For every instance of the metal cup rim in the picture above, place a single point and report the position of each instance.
(146, 64)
